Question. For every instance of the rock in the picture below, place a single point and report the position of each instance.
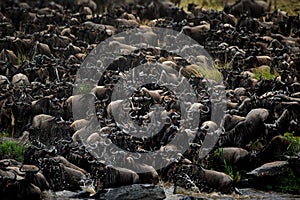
(133, 192)
(270, 169)
(277, 176)
(294, 162)
(190, 190)
(183, 197)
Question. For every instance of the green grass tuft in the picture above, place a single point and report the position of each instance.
(4, 133)
(83, 88)
(294, 146)
(209, 73)
(264, 72)
(289, 183)
(206, 4)
(226, 167)
(21, 58)
(10, 149)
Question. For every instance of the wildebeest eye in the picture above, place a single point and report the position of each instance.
(206, 127)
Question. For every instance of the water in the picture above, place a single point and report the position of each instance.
(247, 193)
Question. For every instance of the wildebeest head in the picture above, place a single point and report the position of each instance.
(21, 113)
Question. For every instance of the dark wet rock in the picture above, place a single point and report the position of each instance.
(294, 162)
(136, 191)
(191, 198)
(277, 176)
(270, 169)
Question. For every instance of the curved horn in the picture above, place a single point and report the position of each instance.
(93, 161)
(106, 98)
(146, 116)
(131, 115)
(54, 160)
(207, 110)
(137, 157)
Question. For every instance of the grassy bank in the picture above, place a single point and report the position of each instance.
(290, 6)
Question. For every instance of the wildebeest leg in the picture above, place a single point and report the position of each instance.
(282, 119)
(281, 123)
(57, 75)
(12, 124)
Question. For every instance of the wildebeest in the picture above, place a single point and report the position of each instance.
(82, 104)
(47, 41)
(249, 129)
(253, 8)
(14, 186)
(200, 179)
(110, 176)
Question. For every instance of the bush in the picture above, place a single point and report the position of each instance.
(294, 146)
(264, 72)
(10, 149)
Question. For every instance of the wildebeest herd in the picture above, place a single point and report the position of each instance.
(44, 43)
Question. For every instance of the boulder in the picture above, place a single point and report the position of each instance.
(132, 192)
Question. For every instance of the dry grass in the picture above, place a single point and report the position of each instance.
(208, 4)
(290, 6)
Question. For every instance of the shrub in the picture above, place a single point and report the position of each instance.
(294, 146)
(264, 72)
(10, 149)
